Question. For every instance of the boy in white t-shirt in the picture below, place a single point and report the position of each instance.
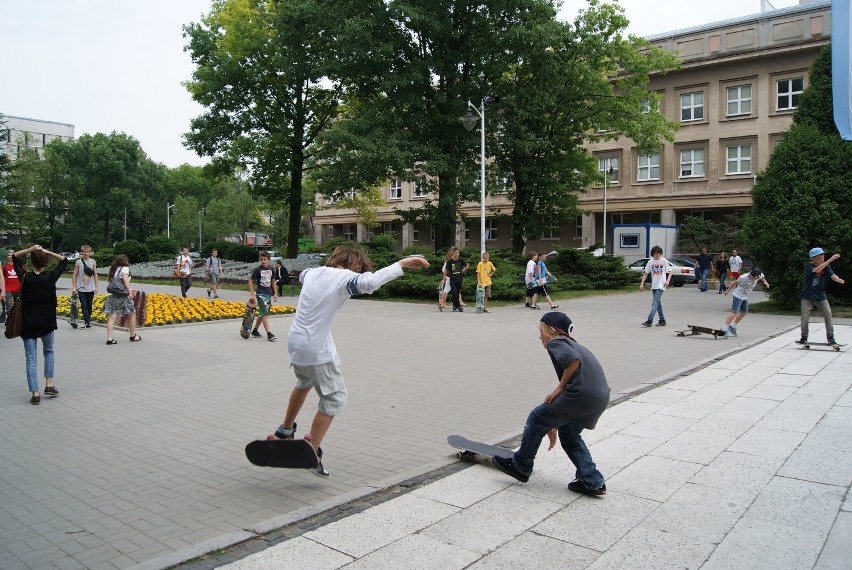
(661, 274)
(313, 355)
(735, 262)
(739, 308)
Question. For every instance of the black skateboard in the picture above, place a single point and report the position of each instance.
(834, 346)
(470, 448)
(696, 330)
(248, 318)
(285, 453)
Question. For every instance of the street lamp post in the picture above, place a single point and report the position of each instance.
(201, 211)
(469, 121)
(168, 225)
(607, 174)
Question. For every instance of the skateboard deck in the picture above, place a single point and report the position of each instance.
(440, 292)
(283, 453)
(3, 314)
(75, 303)
(696, 330)
(480, 298)
(469, 448)
(834, 346)
(248, 318)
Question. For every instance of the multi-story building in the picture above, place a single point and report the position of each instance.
(734, 95)
(24, 133)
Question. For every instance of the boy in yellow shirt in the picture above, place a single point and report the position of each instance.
(484, 270)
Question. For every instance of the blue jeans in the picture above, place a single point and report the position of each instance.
(656, 304)
(541, 421)
(703, 274)
(30, 347)
(722, 285)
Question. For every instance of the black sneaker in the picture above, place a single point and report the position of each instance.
(506, 465)
(208, 293)
(527, 305)
(255, 333)
(270, 337)
(51, 391)
(803, 340)
(661, 323)
(647, 324)
(829, 340)
(578, 487)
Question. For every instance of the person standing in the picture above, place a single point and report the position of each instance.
(661, 275)
(574, 405)
(38, 314)
(262, 279)
(215, 270)
(813, 292)
(84, 282)
(183, 267)
(722, 269)
(531, 278)
(735, 262)
(117, 306)
(455, 271)
(705, 267)
(484, 271)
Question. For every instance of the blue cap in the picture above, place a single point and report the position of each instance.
(815, 252)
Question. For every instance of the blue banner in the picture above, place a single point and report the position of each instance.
(841, 66)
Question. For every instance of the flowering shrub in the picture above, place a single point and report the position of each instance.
(166, 309)
(237, 272)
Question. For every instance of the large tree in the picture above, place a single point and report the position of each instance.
(802, 199)
(261, 74)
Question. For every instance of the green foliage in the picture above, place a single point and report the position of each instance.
(136, 252)
(239, 252)
(802, 199)
(161, 244)
(104, 256)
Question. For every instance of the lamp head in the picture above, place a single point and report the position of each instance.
(469, 119)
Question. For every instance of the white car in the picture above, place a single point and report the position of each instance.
(681, 274)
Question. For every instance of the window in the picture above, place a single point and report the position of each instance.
(578, 231)
(466, 232)
(649, 167)
(387, 228)
(604, 166)
(739, 100)
(629, 240)
(490, 229)
(656, 218)
(692, 163)
(396, 189)
(623, 218)
(551, 229)
(738, 159)
(502, 184)
(789, 91)
(415, 233)
(349, 232)
(692, 106)
(420, 187)
(706, 215)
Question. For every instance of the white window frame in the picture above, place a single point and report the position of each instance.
(350, 231)
(739, 100)
(395, 189)
(790, 94)
(621, 218)
(415, 233)
(739, 160)
(490, 229)
(647, 165)
(689, 161)
(578, 228)
(551, 230)
(420, 187)
(604, 164)
(692, 106)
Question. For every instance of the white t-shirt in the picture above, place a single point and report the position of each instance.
(324, 290)
(529, 278)
(184, 263)
(658, 268)
(735, 262)
(744, 285)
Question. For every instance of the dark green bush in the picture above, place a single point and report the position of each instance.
(239, 252)
(161, 244)
(104, 256)
(135, 251)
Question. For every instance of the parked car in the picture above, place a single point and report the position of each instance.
(70, 256)
(681, 274)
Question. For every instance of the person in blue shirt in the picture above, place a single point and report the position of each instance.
(813, 292)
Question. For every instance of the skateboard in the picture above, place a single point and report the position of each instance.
(3, 314)
(248, 318)
(834, 346)
(440, 291)
(696, 330)
(285, 453)
(470, 448)
(75, 303)
(480, 298)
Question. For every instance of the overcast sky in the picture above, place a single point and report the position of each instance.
(117, 65)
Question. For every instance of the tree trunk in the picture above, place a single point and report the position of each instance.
(294, 222)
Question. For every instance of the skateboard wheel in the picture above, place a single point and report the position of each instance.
(806, 346)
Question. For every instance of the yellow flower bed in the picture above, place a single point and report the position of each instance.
(165, 309)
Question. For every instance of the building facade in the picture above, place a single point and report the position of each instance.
(734, 96)
(23, 133)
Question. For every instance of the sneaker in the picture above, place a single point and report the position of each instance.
(284, 433)
(485, 310)
(647, 323)
(661, 323)
(215, 296)
(255, 333)
(527, 305)
(507, 466)
(51, 391)
(208, 293)
(732, 329)
(35, 400)
(803, 340)
(88, 326)
(461, 309)
(554, 307)
(829, 340)
(534, 307)
(270, 337)
(319, 469)
(578, 487)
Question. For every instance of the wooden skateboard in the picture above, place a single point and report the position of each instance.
(248, 318)
(480, 298)
(75, 303)
(471, 448)
(834, 346)
(283, 453)
(696, 330)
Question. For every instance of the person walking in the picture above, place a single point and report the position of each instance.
(722, 268)
(455, 272)
(118, 305)
(544, 276)
(184, 271)
(261, 286)
(735, 263)
(660, 270)
(84, 283)
(705, 267)
(214, 271)
(813, 292)
(38, 314)
(531, 279)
